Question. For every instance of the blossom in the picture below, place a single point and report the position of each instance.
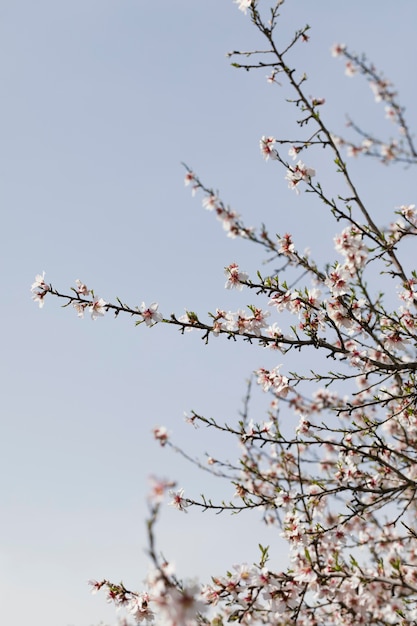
(337, 49)
(81, 288)
(257, 321)
(178, 501)
(96, 585)
(244, 5)
(339, 314)
(238, 322)
(219, 322)
(266, 144)
(42, 287)
(313, 297)
(189, 178)
(338, 280)
(97, 308)
(230, 223)
(380, 89)
(281, 301)
(275, 333)
(39, 298)
(350, 69)
(409, 212)
(158, 488)
(235, 277)
(189, 319)
(181, 606)
(271, 77)
(139, 608)
(161, 434)
(293, 152)
(299, 172)
(316, 102)
(350, 244)
(286, 245)
(394, 341)
(388, 151)
(209, 202)
(39, 283)
(354, 151)
(272, 379)
(80, 307)
(390, 113)
(150, 314)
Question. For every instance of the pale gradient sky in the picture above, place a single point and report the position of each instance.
(102, 100)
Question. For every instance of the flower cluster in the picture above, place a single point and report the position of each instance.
(172, 605)
(39, 289)
(298, 173)
(267, 148)
(229, 219)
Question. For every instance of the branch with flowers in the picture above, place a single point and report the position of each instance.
(341, 484)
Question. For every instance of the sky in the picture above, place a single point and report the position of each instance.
(102, 102)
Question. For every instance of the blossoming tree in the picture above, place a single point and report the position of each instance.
(340, 485)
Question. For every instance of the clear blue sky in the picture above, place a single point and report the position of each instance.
(102, 100)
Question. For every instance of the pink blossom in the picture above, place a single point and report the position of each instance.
(244, 5)
(42, 287)
(219, 322)
(299, 172)
(139, 608)
(81, 288)
(161, 434)
(350, 69)
(266, 144)
(230, 223)
(284, 499)
(275, 333)
(316, 102)
(409, 212)
(178, 501)
(286, 245)
(381, 89)
(235, 277)
(293, 152)
(257, 321)
(272, 379)
(338, 313)
(80, 308)
(390, 113)
(338, 280)
(209, 202)
(96, 585)
(337, 49)
(189, 178)
(39, 283)
(395, 341)
(150, 314)
(39, 298)
(350, 244)
(313, 297)
(271, 77)
(238, 322)
(159, 486)
(367, 144)
(354, 151)
(97, 308)
(281, 301)
(190, 319)
(388, 151)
